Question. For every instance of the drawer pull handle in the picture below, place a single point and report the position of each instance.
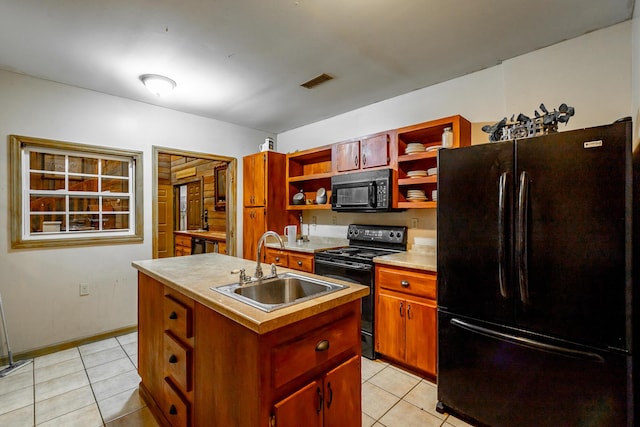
(173, 315)
(173, 359)
(404, 283)
(322, 345)
(299, 262)
(173, 410)
(277, 259)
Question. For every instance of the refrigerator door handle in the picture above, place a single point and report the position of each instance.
(502, 223)
(521, 237)
(527, 342)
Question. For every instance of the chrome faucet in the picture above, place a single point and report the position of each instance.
(258, 275)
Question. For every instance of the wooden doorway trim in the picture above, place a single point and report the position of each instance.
(231, 211)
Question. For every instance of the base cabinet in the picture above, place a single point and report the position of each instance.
(290, 259)
(326, 402)
(183, 245)
(237, 377)
(406, 313)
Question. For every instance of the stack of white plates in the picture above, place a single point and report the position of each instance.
(434, 147)
(414, 147)
(434, 195)
(416, 196)
(432, 171)
(416, 173)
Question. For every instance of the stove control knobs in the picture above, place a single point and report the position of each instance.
(398, 235)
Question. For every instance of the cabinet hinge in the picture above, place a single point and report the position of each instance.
(272, 421)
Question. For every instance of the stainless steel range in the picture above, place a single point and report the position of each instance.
(355, 264)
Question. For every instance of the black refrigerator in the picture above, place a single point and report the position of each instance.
(535, 288)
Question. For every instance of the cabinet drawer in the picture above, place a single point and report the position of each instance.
(177, 361)
(408, 281)
(296, 357)
(178, 318)
(277, 257)
(301, 262)
(176, 407)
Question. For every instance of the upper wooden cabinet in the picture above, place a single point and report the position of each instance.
(311, 169)
(264, 197)
(255, 175)
(364, 153)
(411, 165)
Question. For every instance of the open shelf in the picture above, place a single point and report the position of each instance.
(308, 171)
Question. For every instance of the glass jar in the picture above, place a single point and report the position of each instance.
(447, 138)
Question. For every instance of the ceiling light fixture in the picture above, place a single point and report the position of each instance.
(157, 84)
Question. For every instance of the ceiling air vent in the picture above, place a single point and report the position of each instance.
(317, 81)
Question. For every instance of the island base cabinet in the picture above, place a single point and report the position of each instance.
(329, 401)
(201, 368)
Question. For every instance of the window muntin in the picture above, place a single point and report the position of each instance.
(75, 192)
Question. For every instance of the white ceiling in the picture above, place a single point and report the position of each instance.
(242, 61)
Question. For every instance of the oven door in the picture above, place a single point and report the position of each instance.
(361, 274)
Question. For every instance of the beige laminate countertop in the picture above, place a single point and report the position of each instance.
(194, 275)
(211, 235)
(417, 260)
(312, 246)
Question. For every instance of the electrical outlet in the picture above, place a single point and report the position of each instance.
(334, 220)
(84, 289)
(314, 220)
(414, 222)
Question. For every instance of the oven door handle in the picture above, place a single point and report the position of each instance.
(362, 267)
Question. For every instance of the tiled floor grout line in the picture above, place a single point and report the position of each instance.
(95, 398)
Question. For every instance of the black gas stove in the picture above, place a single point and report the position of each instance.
(354, 263)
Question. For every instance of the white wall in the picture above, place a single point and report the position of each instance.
(39, 288)
(592, 73)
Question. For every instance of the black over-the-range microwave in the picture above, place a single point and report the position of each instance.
(368, 191)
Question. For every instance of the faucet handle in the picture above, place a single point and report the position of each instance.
(274, 272)
(243, 277)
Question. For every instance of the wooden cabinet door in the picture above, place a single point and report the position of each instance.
(254, 182)
(390, 329)
(374, 151)
(254, 225)
(348, 156)
(421, 334)
(343, 405)
(304, 407)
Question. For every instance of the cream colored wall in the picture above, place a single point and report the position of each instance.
(40, 287)
(592, 73)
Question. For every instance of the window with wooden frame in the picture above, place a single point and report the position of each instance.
(68, 194)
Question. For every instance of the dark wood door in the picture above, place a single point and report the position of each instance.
(164, 242)
(194, 205)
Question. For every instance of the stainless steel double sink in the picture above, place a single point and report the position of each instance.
(277, 292)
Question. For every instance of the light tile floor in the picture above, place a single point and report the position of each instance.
(96, 385)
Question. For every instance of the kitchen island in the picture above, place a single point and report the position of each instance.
(207, 359)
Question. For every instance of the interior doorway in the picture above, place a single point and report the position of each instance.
(209, 182)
